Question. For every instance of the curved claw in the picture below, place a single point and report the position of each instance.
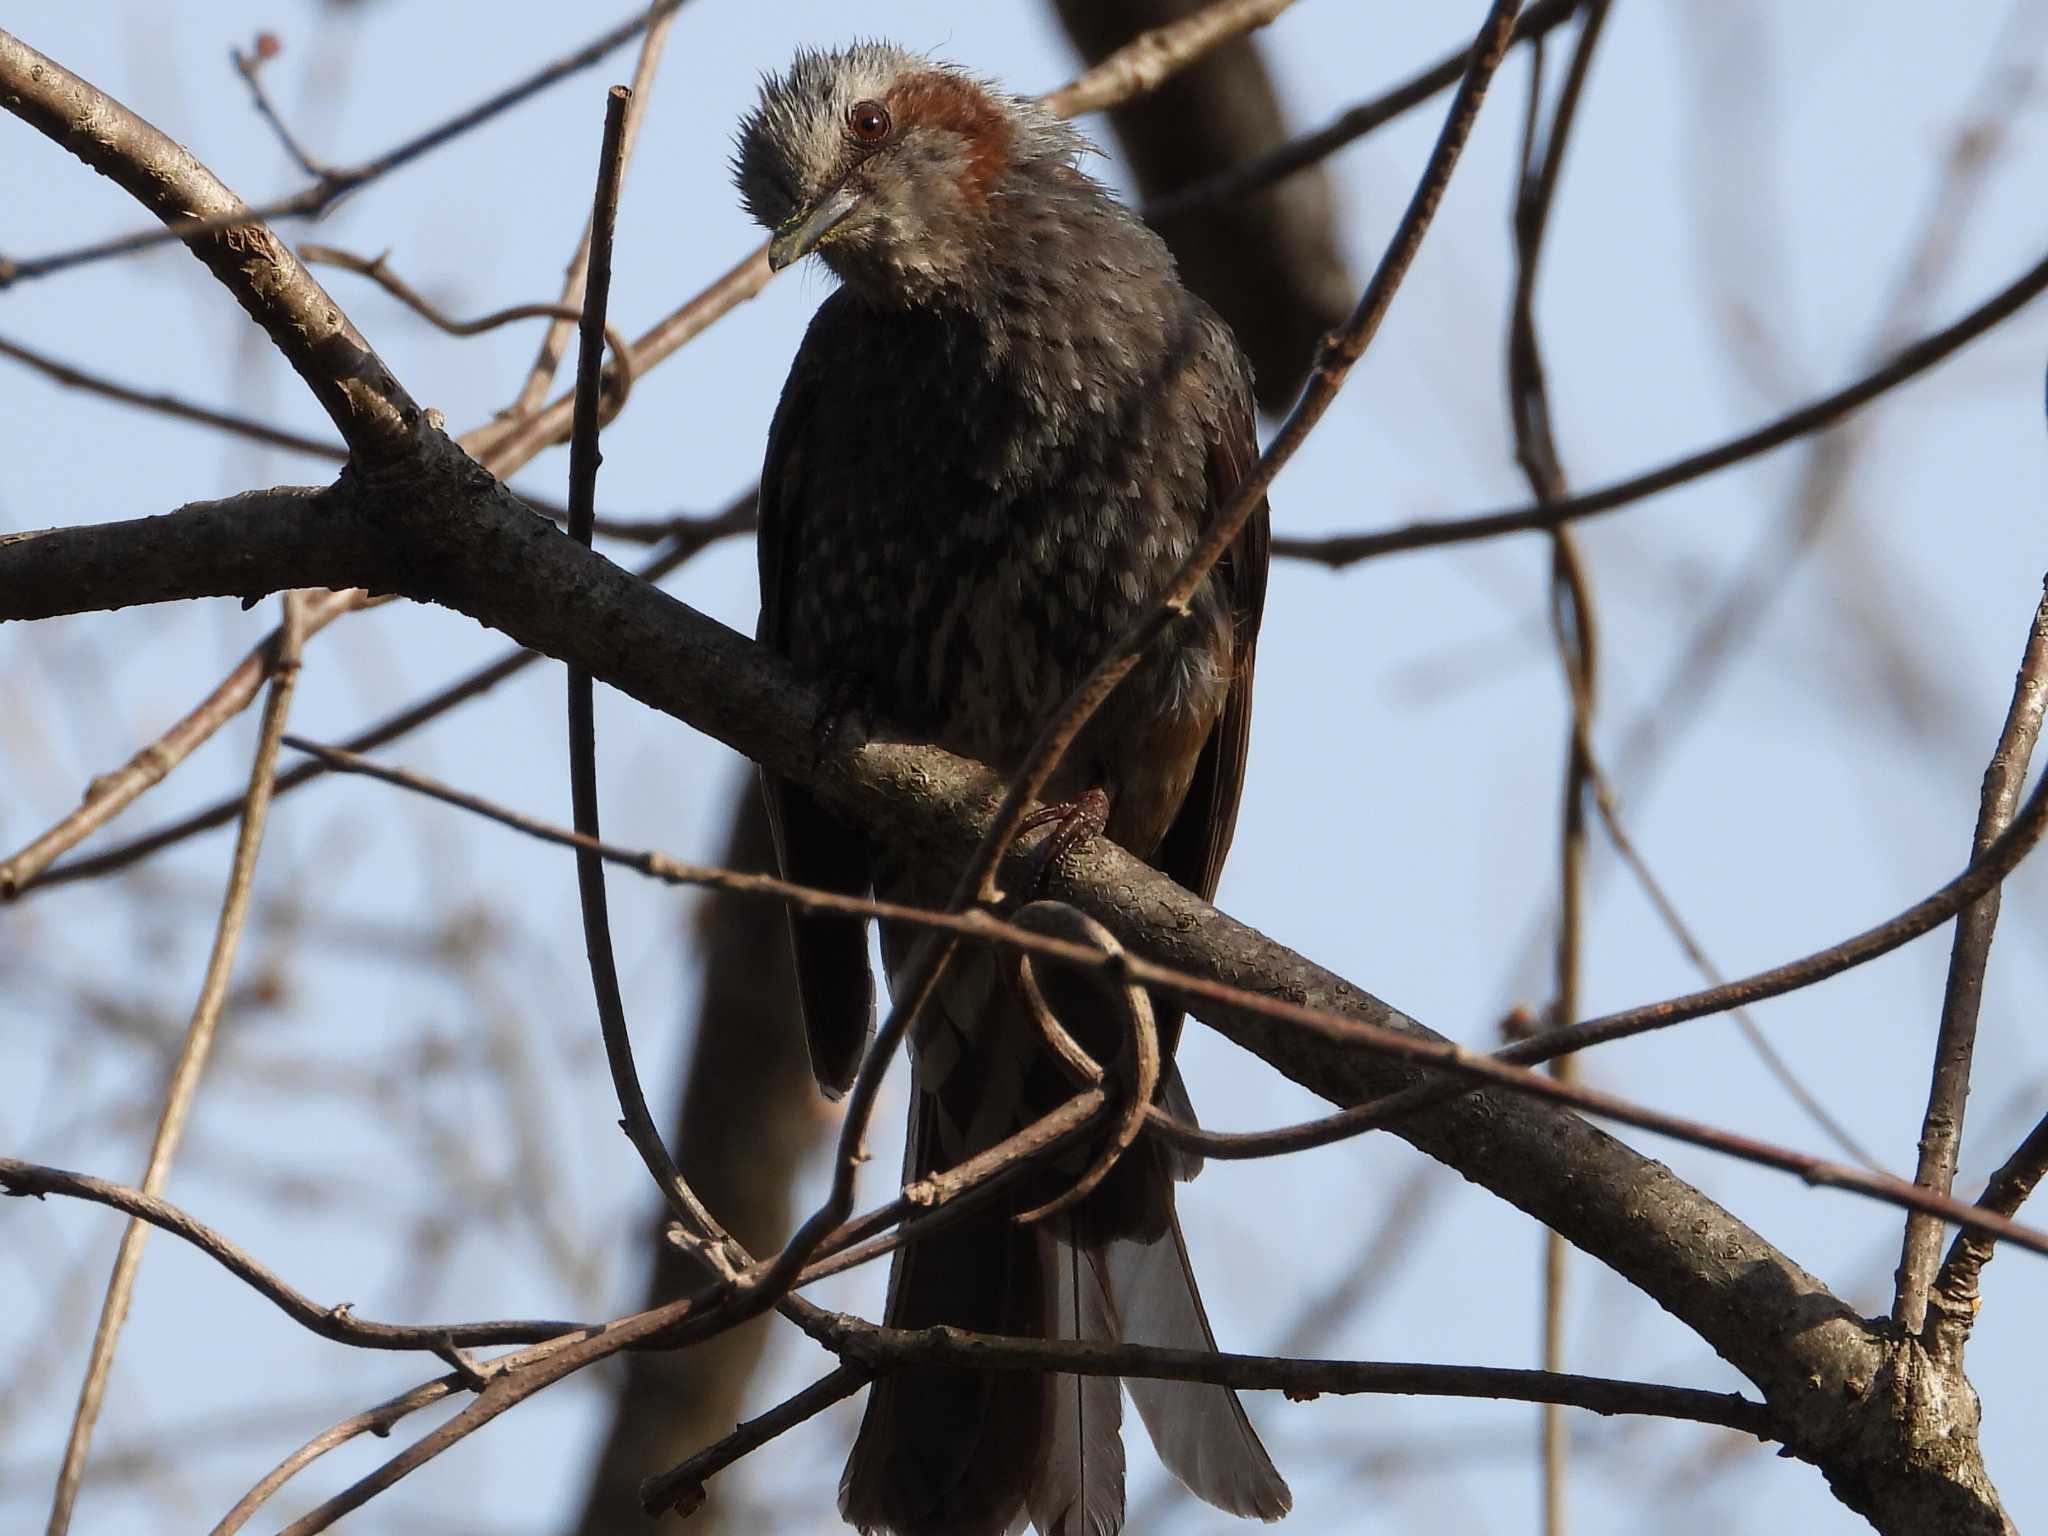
(1073, 822)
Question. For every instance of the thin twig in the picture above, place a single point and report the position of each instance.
(379, 1421)
(506, 1382)
(329, 188)
(872, 1351)
(190, 1063)
(1909, 363)
(362, 397)
(680, 1490)
(171, 405)
(1141, 1058)
(891, 1348)
(1941, 1130)
(597, 937)
(1309, 149)
(1575, 631)
(378, 270)
(1607, 802)
(111, 793)
(1340, 353)
(1955, 1288)
(1738, 615)
(515, 440)
(338, 1322)
(672, 1325)
(556, 341)
(1501, 1069)
(1152, 58)
(249, 66)
(1923, 917)
(691, 534)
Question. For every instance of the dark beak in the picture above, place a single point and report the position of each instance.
(806, 230)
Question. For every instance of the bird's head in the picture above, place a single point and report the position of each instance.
(888, 165)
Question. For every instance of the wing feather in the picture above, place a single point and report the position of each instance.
(1198, 839)
(834, 984)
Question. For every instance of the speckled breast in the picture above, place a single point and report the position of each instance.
(971, 543)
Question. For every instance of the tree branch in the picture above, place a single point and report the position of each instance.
(1908, 364)
(338, 1323)
(170, 405)
(190, 1064)
(1941, 1130)
(888, 1349)
(869, 1351)
(334, 184)
(1308, 149)
(371, 410)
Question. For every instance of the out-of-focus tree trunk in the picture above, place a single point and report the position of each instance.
(748, 1113)
(1269, 262)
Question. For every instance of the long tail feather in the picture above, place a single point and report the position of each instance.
(1200, 1431)
(948, 1452)
(1079, 1486)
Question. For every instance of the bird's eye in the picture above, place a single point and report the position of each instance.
(868, 121)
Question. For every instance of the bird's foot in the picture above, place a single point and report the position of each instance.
(1073, 822)
(846, 712)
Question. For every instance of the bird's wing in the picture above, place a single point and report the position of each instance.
(1196, 842)
(834, 985)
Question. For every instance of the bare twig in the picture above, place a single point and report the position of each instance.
(872, 1351)
(1607, 802)
(1141, 1059)
(378, 270)
(977, 885)
(20, 875)
(171, 405)
(1457, 1060)
(1341, 353)
(1572, 618)
(335, 184)
(338, 1323)
(1955, 1288)
(681, 1488)
(379, 1421)
(890, 1348)
(1941, 1130)
(1151, 58)
(1924, 916)
(597, 939)
(977, 924)
(556, 341)
(112, 793)
(367, 405)
(515, 440)
(190, 1064)
(1308, 149)
(1909, 363)
(250, 66)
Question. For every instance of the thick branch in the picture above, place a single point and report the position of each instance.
(454, 537)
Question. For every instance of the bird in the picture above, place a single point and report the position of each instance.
(1003, 432)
